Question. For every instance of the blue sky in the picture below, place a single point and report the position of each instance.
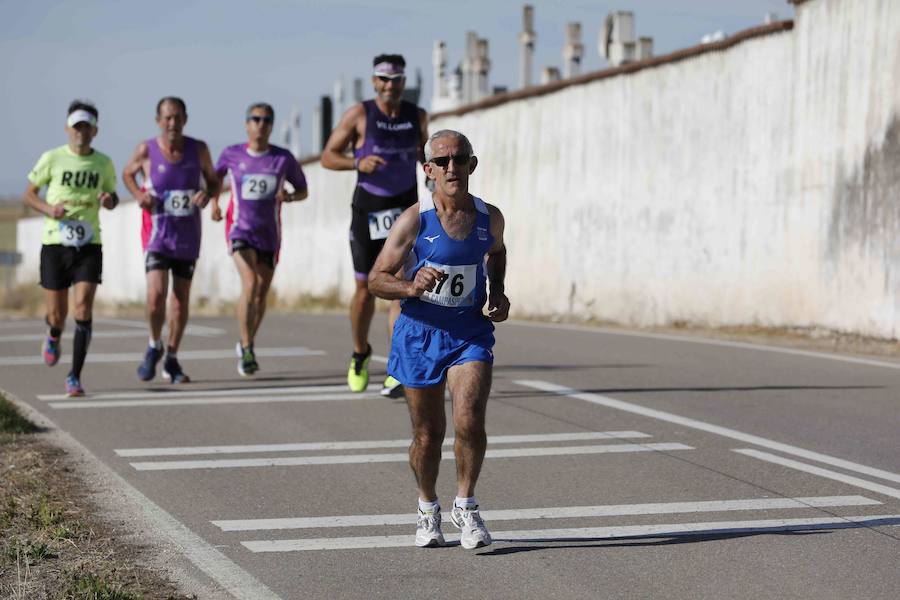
(221, 56)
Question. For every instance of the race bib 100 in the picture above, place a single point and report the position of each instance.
(455, 288)
(178, 203)
(258, 186)
(75, 233)
(380, 222)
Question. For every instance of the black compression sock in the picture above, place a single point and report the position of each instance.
(362, 356)
(83, 330)
(55, 332)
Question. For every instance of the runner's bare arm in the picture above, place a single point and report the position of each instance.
(134, 166)
(33, 200)
(383, 280)
(213, 183)
(495, 267)
(351, 126)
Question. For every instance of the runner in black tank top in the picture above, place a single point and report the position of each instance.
(387, 137)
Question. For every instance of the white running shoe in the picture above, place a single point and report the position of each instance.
(473, 534)
(428, 529)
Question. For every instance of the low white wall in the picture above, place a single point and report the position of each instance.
(755, 185)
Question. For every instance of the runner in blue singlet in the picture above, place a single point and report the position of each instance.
(449, 246)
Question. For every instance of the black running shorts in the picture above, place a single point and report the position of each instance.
(155, 261)
(373, 217)
(266, 257)
(61, 266)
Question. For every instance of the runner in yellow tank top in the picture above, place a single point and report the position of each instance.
(79, 180)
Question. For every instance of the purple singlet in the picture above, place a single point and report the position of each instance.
(172, 226)
(397, 142)
(253, 214)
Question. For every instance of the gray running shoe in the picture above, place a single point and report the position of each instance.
(428, 529)
(473, 534)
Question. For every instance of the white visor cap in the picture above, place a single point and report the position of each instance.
(81, 116)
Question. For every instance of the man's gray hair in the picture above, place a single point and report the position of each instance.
(263, 105)
(466, 144)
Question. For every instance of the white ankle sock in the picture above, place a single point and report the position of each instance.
(465, 502)
(155, 344)
(426, 506)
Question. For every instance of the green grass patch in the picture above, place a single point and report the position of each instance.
(11, 420)
(90, 586)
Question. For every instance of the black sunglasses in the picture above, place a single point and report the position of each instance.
(458, 160)
(385, 78)
(261, 119)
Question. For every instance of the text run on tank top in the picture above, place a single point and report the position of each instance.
(396, 140)
(172, 226)
(456, 302)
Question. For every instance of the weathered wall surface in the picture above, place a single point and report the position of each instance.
(754, 185)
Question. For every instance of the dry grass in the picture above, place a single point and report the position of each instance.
(53, 546)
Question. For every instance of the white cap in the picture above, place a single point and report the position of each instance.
(81, 116)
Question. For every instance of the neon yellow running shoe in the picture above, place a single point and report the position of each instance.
(358, 374)
(391, 388)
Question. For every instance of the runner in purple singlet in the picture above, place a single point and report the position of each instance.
(257, 172)
(387, 136)
(178, 180)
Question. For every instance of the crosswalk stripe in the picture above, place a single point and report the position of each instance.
(343, 459)
(588, 534)
(212, 393)
(563, 512)
(212, 401)
(184, 355)
(367, 445)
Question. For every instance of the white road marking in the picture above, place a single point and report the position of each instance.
(589, 534)
(708, 427)
(848, 479)
(712, 342)
(68, 335)
(562, 512)
(345, 459)
(199, 330)
(346, 396)
(211, 393)
(368, 445)
(184, 355)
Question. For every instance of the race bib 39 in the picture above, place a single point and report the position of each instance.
(75, 233)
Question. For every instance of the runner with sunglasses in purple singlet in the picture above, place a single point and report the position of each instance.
(257, 172)
(387, 136)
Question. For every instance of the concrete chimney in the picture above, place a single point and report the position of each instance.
(526, 46)
(573, 51)
(549, 74)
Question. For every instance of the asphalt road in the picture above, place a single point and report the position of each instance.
(620, 464)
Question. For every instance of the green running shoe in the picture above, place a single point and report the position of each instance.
(358, 374)
(391, 388)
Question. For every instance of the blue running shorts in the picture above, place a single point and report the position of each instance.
(421, 354)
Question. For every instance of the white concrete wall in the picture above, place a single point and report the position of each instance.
(757, 185)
